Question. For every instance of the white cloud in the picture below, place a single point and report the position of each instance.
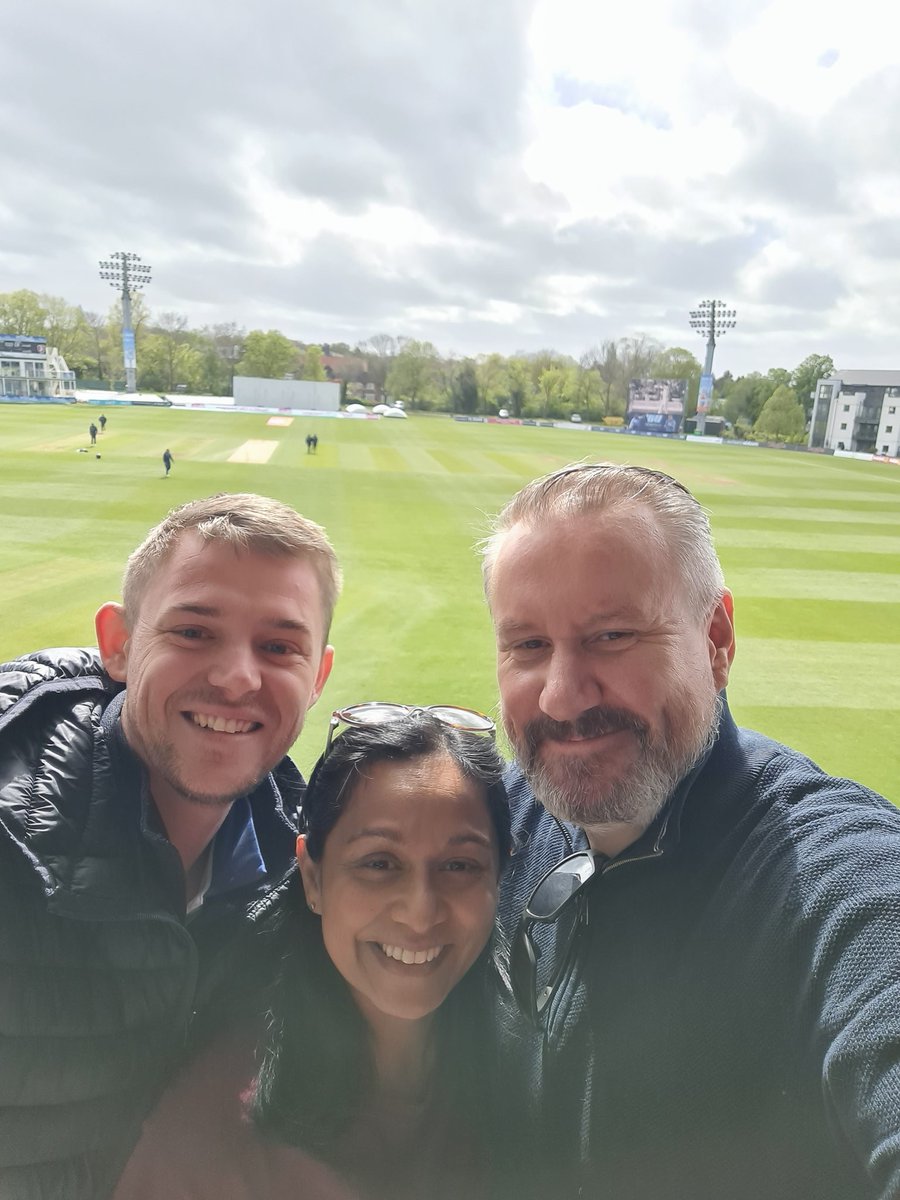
(505, 176)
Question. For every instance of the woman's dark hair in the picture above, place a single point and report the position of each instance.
(419, 735)
(317, 1068)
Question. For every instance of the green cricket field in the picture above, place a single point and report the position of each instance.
(810, 546)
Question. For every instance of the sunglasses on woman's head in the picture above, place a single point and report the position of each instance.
(373, 713)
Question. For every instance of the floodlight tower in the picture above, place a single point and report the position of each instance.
(128, 275)
(712, 319)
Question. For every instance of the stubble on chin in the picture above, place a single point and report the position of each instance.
(586, 792)
(160, 759)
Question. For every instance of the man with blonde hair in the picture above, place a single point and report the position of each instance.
(705, 926)
(145, 801)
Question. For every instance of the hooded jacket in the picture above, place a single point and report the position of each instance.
(100, 973)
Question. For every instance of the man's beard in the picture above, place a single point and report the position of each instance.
(579, 790)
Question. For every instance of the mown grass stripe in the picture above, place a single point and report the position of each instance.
(816, 674)
(812, 585)
(804, 538)
(819, 620)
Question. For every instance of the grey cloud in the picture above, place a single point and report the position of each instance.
(818, 165)
(421, 100)
(788, 160)
(879, 238)
(806, 287)
(864, 129)
(766, 324)
(348, 173)
(669, 261)
(331, 283)
(514, 266)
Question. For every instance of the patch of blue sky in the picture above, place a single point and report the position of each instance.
(572, 92)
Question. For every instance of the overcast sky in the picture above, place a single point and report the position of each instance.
(486, 174)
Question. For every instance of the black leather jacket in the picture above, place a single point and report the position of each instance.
(100, 976)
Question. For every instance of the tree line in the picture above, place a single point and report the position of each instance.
(173, 356)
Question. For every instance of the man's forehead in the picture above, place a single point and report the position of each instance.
(611, 563)
(197, 568)
(191, 551)
(621, 528)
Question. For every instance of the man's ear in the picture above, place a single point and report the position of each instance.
(325, 665)
(721, 639)
(310, 874)
(112, 639)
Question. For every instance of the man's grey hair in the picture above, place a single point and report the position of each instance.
(681, 524)
(246, 522)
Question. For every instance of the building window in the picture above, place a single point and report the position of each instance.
(846, 408)
(844, 425)
(888, 429)
(892, 409)
(884, 450)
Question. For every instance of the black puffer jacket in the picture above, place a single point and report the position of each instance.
(99, 976)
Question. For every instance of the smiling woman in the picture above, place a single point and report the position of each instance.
(371, 1070)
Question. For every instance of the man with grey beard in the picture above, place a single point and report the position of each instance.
(705, 927)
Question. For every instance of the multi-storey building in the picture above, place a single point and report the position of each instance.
(857, 410)
(32, 370)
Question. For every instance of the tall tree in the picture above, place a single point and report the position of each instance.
(746, 398)
(267, 355)
(618, 362)
(23, 313)
(587, 394)
(674, 362)
(171, 328)
(637, 355)
(604, 359)
(519, 387)
(95, 346)
(782, 416)
(444, 377)
(379, 352)
(62, 325)
(411, 376)
(492, 381)
(464, 394)
(164, 364)
(226, 340)
(215, 377)
(311, 368)
(806, 376)
(723, 385)
(553, 385)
